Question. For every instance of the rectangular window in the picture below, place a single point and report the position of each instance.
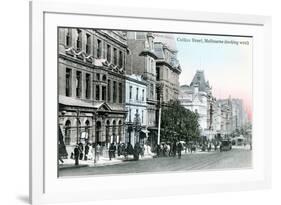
(130, 115)
(130, 93)
(137, 94)
(120, 59)
(157, 73)
(68, 38)
(108, 56)
(88, 43)
(158, 93)
(151, 91)
(99, 49)
(88, 85)
(142, 98)
(97, 92)
(78, 83)
(103, 94)
(68, 82)
(79, 40)
(142, 116)
(120, 93)
(109, 91)
(114, 56)
(114, 92)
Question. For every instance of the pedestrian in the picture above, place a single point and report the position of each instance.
(158, 150)
(136, 151)
(179, 149)
(209, 147)
(114, 150)
(174, 147)
(76, 154)
(81, 150)
(86, 152)
(111, 151)
(119, 149)
(98, 150)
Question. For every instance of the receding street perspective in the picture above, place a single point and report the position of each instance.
(150, 102)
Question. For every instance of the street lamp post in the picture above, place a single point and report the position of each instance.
(137, 125)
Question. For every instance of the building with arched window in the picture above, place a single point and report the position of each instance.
(91, 85)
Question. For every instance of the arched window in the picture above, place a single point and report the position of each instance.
(119, 130)
(114, 130)
(68, 37)
(67, 132)
(79, 40)
(104, 77)
(87, 128)
(98, 131)
(107, 137)
(78, 126)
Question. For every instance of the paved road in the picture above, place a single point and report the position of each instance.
(236, 158)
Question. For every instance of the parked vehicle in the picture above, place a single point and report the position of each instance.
(225, 145)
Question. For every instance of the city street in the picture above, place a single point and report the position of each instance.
(236, 158)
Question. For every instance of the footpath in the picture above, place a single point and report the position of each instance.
(102, 161)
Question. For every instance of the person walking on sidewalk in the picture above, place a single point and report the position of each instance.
(81, 150)
(111, 151)
(179, 149)
(98, 151)
(86, 152)
(76, 154)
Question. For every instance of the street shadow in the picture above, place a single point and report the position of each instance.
(24, 199)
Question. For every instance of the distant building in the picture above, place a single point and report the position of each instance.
(91, 81)
(223, 116)
(198, 98)
(136, 106)
(236, 114)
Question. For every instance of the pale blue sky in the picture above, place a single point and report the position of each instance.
(228, 67)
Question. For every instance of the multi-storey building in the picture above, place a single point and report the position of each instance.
(154, 56)
(225, 114)
(167, 67)
(236, 113)
(91, 85)
(136, 106)
(141, 60)
(198, 98)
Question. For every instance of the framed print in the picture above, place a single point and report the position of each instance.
(146, 102)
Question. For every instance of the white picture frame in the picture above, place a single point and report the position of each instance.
(46, 16)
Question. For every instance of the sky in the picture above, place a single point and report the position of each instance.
(226, 61)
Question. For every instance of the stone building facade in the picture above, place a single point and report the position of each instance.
(198, 98)
(91, 85)
(141, 60)
(167, 68)
(136, 106)
(233, 115)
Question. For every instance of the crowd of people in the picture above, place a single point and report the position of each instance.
(169, 149)
(92, 151)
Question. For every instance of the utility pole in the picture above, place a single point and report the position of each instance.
(159, 125)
